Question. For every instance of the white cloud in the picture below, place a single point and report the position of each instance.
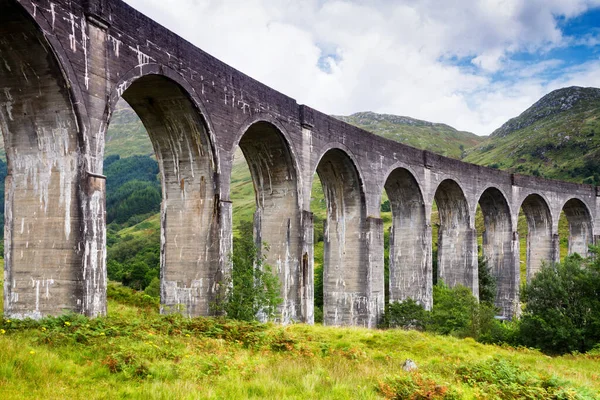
(344, 56)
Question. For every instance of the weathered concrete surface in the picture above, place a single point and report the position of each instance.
(63, 66)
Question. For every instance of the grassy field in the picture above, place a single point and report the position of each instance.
(135, 353)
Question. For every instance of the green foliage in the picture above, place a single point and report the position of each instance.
(407, 314)
(438, 138)
(559, 143)
(133, 260)
(153, 289)
(499, 378)
(131, 297)
(562, 312)
(385, 206)
(454, 311)
(131, 199)
(254, 291)
(415, 386)
(132, 187)
(487, 282)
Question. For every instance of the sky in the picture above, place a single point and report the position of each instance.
(469, 64)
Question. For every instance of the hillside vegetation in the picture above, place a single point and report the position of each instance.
(558, 137)
(138, 354)
(438, 138)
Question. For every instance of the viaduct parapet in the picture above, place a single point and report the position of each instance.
(63, 66)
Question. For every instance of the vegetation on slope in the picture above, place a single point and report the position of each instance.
(558, 137)
(438, 138)
(137, 353)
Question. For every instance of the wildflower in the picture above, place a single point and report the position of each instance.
(2, 331)
(31, 352)
(187, 335)
(67, 323)
(8, 321)
(166, 342)
(43, 329)
(102, 333)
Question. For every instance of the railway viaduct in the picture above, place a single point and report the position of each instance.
(63, 66)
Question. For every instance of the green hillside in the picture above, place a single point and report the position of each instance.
(438, 138)
(135, 353)
(558, 137)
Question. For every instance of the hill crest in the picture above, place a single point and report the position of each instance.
(555, 102)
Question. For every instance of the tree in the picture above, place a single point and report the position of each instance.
(487, 282)
(254, 291)
(562, 311)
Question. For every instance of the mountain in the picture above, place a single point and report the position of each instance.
(558, 137)
(438, 138)
(126, 135)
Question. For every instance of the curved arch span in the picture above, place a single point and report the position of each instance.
(43, 215)
(410, 240)
(539, 238)
(345, 297)
(277, 220)
(457, 246)
(190, 253)
(500, 250)
(580, 226)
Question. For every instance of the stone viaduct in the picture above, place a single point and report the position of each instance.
(63, 66)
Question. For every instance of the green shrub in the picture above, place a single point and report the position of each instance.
(414, 386)
(562, 312)
(499, 378)
(254, 291)
(131, 297)
(454, 311)
(407, 314)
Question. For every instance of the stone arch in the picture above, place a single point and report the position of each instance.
(345, 270)
(277, 220)
(499, 249)
(580, 226)
(410, 245)
(191, 267)
(457, 247)
(539, 238)
(45, 246)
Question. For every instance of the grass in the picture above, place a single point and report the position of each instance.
(137, 353)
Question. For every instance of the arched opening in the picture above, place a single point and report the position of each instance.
(43, 271)
(345, 300)
(579, 225)
(409, 247)
(539, 233)
(498, 250)
(456, 244)
(277, 214)
(189, 239)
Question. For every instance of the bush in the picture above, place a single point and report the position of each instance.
(414, 386)
(454, 311)
(407, 314)
(562, 312)
(501, 379)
